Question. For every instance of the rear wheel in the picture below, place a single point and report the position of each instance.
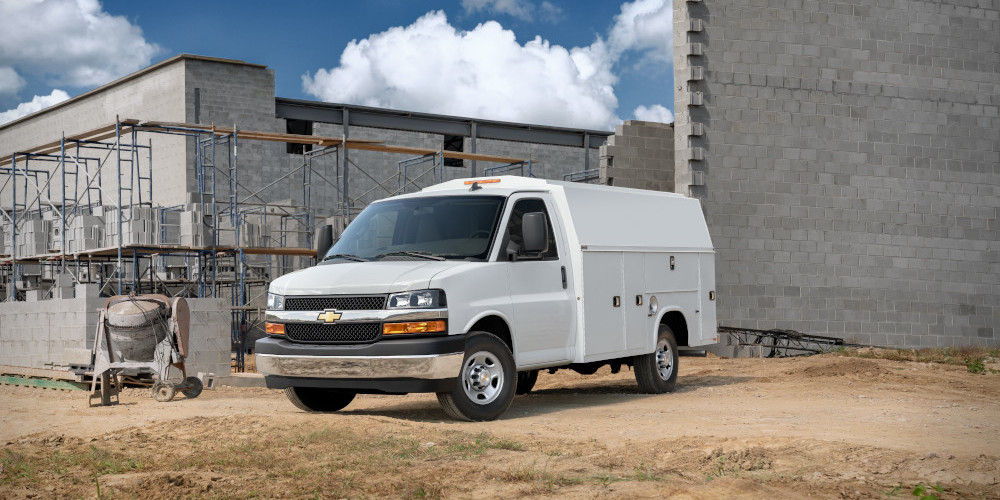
(486, 382)
(318, 399)
(526, 381)
(656, 372)
(194, 387)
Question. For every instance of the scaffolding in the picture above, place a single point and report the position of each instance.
(99, 184)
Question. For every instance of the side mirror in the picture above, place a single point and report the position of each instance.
(535, 231)
(324, 240)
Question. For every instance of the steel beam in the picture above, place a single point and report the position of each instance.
(437, 124)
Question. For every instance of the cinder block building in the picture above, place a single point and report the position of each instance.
(847, 155)
(229, 93)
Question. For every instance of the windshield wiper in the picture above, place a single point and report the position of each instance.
(347, 256)
(424, 255)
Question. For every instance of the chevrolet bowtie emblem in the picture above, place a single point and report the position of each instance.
(329, 316)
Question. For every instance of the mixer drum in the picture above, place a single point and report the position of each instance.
(136, 326)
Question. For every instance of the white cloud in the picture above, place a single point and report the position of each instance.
(520, 9)
(645, 26)
(36, 104)
(10, 81)
(430, 66)
(71, 42)
(654, 113)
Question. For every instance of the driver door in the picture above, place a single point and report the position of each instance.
(541, 288)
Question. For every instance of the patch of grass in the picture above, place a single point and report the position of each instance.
(426, 491)
(646, 473)
(924, 492)
(720, 468)
(482, 442)
(958, 356)
(14, 466)
(975, 365)
(105, 462)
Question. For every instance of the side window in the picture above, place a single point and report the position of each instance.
(516, 236)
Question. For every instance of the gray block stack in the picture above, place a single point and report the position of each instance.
(140, 225)
(86, 232)
(194, 232)
(33, 237)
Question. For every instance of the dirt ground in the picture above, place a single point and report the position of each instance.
(820, 427)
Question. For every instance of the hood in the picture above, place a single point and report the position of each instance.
(362, 277)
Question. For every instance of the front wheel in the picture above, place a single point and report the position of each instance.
(656, 372)
(318, 399)
(486, 382)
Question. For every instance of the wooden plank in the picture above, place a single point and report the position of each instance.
(53, 147)
(108, 131)
(24, 371)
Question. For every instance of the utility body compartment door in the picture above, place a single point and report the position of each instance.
(604, 332)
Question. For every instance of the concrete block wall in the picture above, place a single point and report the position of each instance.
(156, 94)
(49, 333)
(640, 155)
(240, 95)
(547, 162)
(849, 154)
(37, 334)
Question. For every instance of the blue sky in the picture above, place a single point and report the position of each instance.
(585, 63)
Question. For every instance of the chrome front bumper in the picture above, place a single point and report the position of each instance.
(427, 366)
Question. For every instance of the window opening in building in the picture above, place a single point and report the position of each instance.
(454, 143)
(300, 127)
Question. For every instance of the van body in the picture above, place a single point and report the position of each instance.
(470, 287)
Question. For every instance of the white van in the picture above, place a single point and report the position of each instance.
(470, 287)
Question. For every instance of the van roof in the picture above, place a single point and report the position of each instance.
(507, 184)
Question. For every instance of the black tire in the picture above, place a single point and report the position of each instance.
(656, 372)
(195, 387)
(318, 399)
(163, 391)
(486, 382)
(526, 381)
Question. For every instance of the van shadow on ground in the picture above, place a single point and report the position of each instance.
(550, 400)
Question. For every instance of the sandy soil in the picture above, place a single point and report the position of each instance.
(823, 426)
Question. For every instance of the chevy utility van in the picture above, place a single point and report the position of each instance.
(470, 287)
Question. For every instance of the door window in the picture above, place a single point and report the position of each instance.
(515, 237)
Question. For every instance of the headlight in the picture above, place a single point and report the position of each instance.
(275, 302)
(419, 299)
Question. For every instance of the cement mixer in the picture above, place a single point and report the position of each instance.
(143, 335)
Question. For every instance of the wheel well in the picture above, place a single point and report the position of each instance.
(496, 326)
(675, 320)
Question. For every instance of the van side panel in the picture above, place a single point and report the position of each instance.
(602, 281)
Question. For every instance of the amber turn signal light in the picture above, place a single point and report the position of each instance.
(274, 328)
(413, 327)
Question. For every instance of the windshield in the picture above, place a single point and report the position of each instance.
(450, 227)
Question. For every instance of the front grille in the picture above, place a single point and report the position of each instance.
(338, 302)
(336, 333)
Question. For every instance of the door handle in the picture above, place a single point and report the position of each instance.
(564, 277)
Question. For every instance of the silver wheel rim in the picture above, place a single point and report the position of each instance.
(482, 377)
(664, 360)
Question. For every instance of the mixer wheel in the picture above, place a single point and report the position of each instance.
(194, 387)
(164, 391)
